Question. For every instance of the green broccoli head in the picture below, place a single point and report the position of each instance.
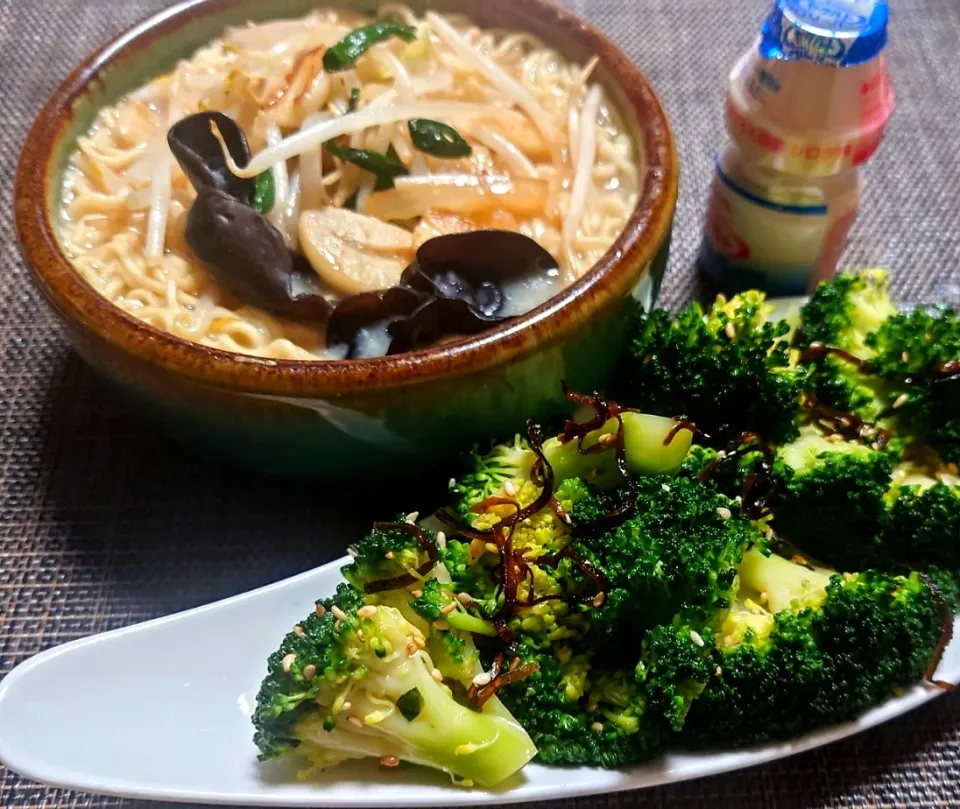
(354, 680)
(488, 472)
(917, 355)
(290, 690)
(678, 551)
(844, 311)
(831, 496)
(390, 551)
(604, 729)
(923, 526)
(830, 648)
(842, 314)
(582, 715)
(727, 370)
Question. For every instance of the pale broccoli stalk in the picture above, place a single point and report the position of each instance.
(358, 681)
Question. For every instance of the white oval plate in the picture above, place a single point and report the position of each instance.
(161, 710)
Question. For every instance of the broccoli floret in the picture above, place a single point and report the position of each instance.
(831, 496)
(571, 729)
(923, 527)
(385, 553)
(579, 715)
(489, 471)
(731, 473)
(821, 652)
(369, 657)
(728, 371)
(434, 604)
(652, 446)
(679, 551)
(922, 530)
(917, 355)
(843, 313)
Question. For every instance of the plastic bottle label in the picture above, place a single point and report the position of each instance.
(753, 241)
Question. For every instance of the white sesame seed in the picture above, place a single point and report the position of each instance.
(347, 705)
(835, 438)
(724, 513)
(367, 611)
(338, 613)
(351, 553)
(482, 679)
(721, 454)
(901, 400)
(355, 721)
(510, 488)
(416, 593)
(419, 641)
(607, 439)
(729, 330)
(451, 483)
(764, 598)
(665, 487)
(337, 624)
(389, 761)
(718, 672)
(389, 555)
(492, 547)
(599, 599)
(465, 598)
(298, 631)
(287, 662)
(597, 726)
(592, 707)
(309, 672)
(411, 646)
(412, 517)
(442, 625)
(441, 539)
(449, 608)
(695, 637)
(320, 610)
(905, 356)
(437, 675)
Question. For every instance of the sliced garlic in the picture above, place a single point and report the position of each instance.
(354, 253)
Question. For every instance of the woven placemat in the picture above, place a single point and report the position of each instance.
(104, 523)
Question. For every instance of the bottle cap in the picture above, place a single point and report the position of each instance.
(829, 32)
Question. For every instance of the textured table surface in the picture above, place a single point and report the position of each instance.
(104, 523)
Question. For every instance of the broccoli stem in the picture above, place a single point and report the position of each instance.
(470, 623)
(651, 445)
(483, 747)
(782, 582)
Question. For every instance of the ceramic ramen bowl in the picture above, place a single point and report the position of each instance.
(336, 418)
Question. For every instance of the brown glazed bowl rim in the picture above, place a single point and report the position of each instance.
(646, 230)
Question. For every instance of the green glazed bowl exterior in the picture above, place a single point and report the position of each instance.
(335, 419)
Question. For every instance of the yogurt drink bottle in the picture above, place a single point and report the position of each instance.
(806, 107)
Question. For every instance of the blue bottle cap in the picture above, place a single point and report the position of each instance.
(828, 32)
